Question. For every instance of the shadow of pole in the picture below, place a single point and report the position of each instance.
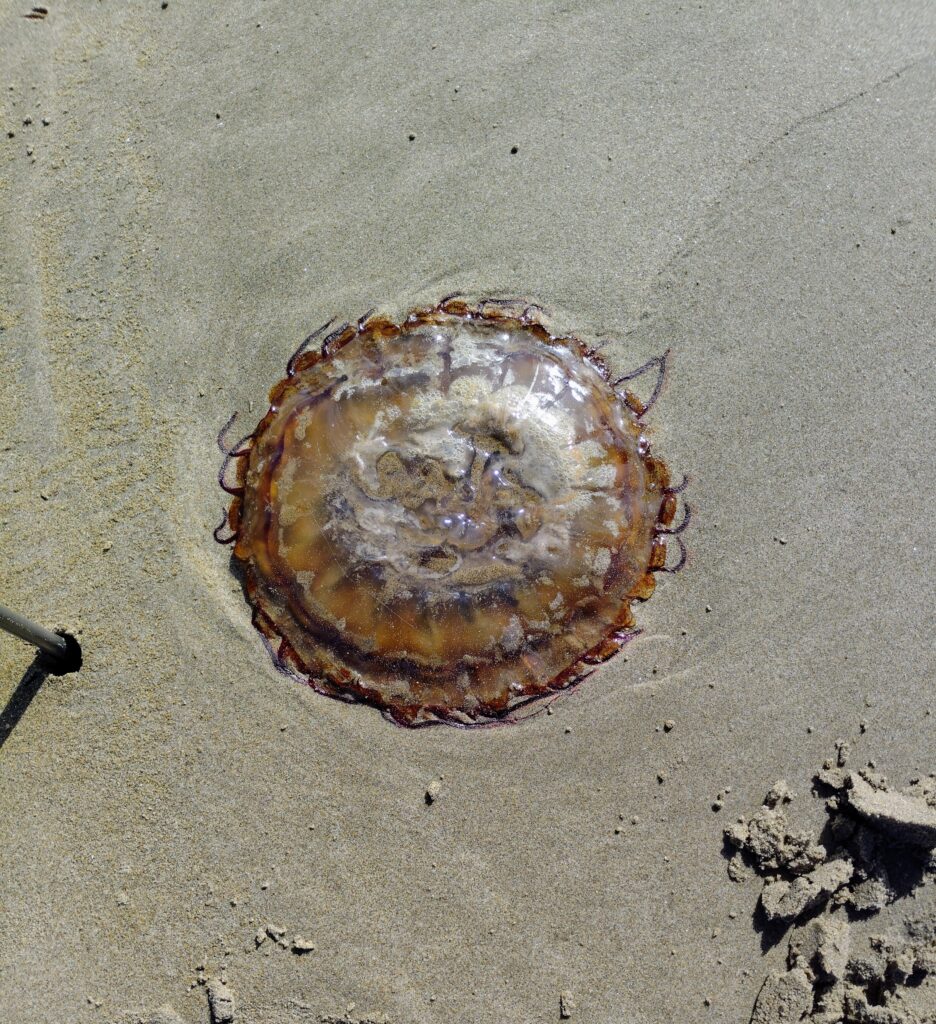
(21, 698)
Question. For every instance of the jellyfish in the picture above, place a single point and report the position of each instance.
(450, 517)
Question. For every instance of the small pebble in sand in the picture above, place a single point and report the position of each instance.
(301, 945)
(122, 898)
(46, 122)
(27, 120)
(107, 545)
(719, 802)
(260, 937)
(432, 791)
(661, 777)
(669, 725)
(411, 137)
(514, 150)
(566, 1005)
(708, 608)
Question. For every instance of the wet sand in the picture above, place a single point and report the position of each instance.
(748, 186)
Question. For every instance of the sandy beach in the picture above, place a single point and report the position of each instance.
(186, 191)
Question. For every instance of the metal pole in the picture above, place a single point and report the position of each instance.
(51, 644)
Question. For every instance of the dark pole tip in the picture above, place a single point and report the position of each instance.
(68, 662)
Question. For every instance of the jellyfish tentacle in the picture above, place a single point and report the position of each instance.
(673, 531)
(683, 555)
(304, 347)
(529, 310)
(490, 300)
(223, 435)
(679, 488)
(329, 345)
(239, 448)
(503, 306)
(216, 533)
(657, 363)
(236, 488)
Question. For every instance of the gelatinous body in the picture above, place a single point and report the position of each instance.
(449, 517)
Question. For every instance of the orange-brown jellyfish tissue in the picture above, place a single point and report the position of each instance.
(448, 517)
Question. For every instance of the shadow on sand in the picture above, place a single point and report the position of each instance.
(22, 696)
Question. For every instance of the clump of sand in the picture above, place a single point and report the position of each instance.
(858, 900)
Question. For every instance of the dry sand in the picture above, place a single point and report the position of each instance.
(750, 184)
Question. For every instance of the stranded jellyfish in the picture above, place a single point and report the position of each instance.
(451, 516)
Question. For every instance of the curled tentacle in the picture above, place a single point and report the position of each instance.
(683, 555)
(679, 488)
(658, 363)
(673, 531)
(221, 526)
(232, 484)
(304, 347)
(238, 448)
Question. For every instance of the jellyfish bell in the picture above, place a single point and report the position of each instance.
(448, 517)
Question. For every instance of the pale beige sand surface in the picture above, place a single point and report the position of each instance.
(748, 184)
